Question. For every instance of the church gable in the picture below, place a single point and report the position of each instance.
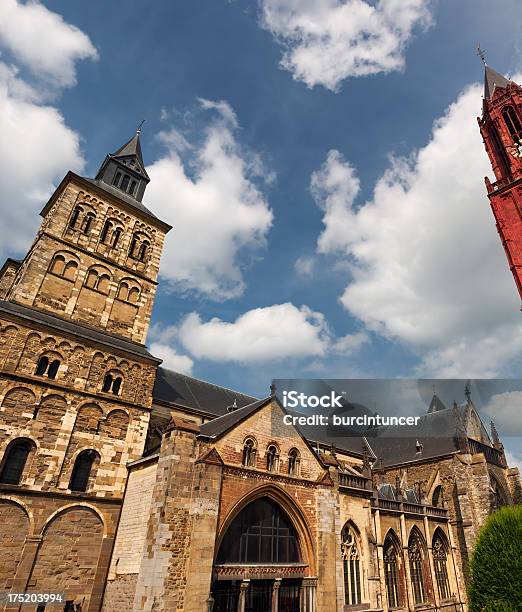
(263, 441)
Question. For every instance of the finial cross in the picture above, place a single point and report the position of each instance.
(482, 54)
(138, 131)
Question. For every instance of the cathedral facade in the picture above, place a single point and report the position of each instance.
(126, 486)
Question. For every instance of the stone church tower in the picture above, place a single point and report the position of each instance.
(75, 378)
(501, 129)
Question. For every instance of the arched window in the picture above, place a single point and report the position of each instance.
(88, 221)
(437, 498)
(293, 462)
(440, 559)
(261, 533)
(513, 123)
(272, 458)
(249, 453)
(125, 182)
(132, 187)
(58, 265)
(351, 566)
(112, 383)
(82, 471)
(104, 283)
(117, 178)
(391, 571)
(133, 245)
(416, 559)
(496, 494)
(47, 367)
(70, 270)
(92, 279)
(74, 217)
(115, 237)
(105, 231)
(123, 291)
(142, 252)
(15, 460)
(134, 295)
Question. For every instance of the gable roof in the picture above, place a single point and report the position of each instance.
(217, 427)
(436, 404)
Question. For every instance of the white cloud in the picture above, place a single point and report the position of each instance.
(327, 41)
(305, 266)
(351, 343)
(36, 149)
(272, 333)
(212, 201)
(505, 410)
(427, 267)
(171, 358)
(42, 41)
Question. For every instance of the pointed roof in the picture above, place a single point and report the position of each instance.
(436, 404)
(132, 148)
(493, 79)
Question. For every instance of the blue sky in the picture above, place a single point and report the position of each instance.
(325, 182)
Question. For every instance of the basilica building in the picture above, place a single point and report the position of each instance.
(127, 486)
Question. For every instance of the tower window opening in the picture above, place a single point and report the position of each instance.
(87, 222)
(14, 463)
(46, 367)
(116, 237)
(117, 178)
(82, 471)
(112, 384)
(105, 231)
(142, 253)
(132, 188)
(75, 215)
(513, 123)
(125, 182)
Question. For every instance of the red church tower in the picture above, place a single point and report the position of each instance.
(501, 129)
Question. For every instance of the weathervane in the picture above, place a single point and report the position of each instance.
(482, 54)
(138, 131)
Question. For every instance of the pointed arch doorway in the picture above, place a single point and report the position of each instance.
(262, 563)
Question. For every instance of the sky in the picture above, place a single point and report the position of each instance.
(319, 161)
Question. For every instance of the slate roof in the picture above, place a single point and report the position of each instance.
(436, 404)
(75, 329)
(217, 427)
(121, 195)
(493, 79)
(175, 388)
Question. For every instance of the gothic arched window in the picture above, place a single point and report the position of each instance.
(293, 462)
(249, 453)
(15, 460)
(496, 494)
(272, 457)
(391, 571)
(437, 499)
(351, 566)
(82, 470)
(416, 559)
(513, 123)
(440, 560)
(261, 533)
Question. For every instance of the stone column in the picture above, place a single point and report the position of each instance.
(380, 563)
(309, 595)
(406, 561)
(275, 595)
(434, 583)
(242, 595)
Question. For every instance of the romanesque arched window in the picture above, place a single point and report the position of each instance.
(272, 458)
(351, 566)
(143, 250)
(261, 533)
(249, 453)
(116, 237)
(416, 558)
(15, 459)
(112, 383)
(87, 222)
(78, 210)
(293, 462)
(48, 366)
(440, 560)
(82, 470)
(391, 571)
(99, 280)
